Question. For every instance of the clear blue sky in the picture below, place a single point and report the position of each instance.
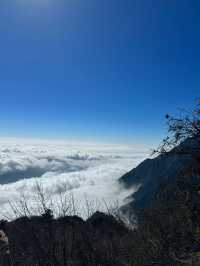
(96, 69)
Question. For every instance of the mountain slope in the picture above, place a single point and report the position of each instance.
(151, 174)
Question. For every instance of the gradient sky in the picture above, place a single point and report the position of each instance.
(96, 70)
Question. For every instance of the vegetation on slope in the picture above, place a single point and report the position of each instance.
(167, 231)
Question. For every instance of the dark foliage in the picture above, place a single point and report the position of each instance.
(101, 240)
(186, 126)
(167, 233)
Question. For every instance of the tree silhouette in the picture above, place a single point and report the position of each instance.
(180, 129)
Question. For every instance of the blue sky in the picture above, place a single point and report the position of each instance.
(96, 70)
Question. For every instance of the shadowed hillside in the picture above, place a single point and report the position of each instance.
(151, 174)
(167, 233)
(167, 207)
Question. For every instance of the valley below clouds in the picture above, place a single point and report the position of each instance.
(86, 170)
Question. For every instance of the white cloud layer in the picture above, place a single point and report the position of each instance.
(84, 169)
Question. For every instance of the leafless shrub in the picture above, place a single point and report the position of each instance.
(181, 128)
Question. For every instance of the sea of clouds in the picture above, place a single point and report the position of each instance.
(86, 170)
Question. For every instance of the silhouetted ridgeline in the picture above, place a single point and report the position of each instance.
(154, 173)
(167, 233)
(101, 240)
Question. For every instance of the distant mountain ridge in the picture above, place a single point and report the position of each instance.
(163, 169)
